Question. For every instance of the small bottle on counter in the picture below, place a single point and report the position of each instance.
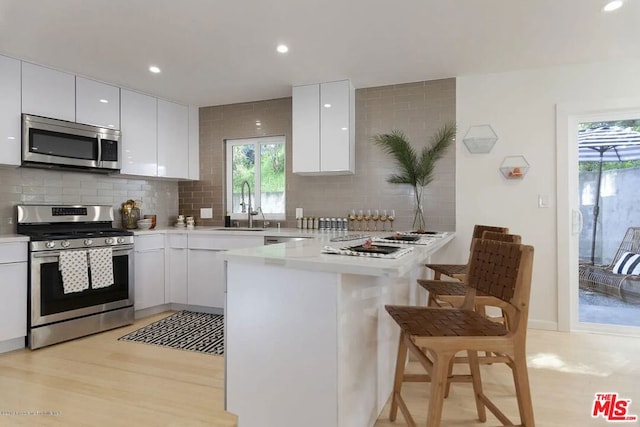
(299, 222)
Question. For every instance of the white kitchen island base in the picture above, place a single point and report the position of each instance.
(311, 348)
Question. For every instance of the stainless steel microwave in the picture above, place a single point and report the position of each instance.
(51, 143)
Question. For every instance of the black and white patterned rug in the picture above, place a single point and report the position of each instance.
(185, 330)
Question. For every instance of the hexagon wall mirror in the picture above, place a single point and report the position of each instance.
(480, 139)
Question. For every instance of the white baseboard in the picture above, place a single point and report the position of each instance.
(12, 344)
(545, 325)
(146, 312)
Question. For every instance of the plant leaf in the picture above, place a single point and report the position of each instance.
(430, 154)
(412, 170)
(396, 144)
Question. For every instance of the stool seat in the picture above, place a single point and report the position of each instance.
(429, 322)
(448, 269)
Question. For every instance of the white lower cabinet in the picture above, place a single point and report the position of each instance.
(13, 290)
(206, 276)
(176, 264)
(183, 268)
(149, 271)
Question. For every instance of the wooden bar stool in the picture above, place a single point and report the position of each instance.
(455, 270)
(434, 335)
(451, 294)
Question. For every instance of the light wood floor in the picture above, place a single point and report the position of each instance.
(100, 381)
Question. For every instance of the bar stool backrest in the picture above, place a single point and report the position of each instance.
(502, 237)
(478, 230)
(503, 270)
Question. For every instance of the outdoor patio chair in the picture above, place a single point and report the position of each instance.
(618, 279)
(434, 335)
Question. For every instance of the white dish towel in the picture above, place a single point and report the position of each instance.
(75, 274)
(101, 264)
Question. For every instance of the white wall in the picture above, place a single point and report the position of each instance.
(520, 106)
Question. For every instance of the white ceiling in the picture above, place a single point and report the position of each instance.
(219, 52)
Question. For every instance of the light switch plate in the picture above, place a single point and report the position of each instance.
(543, 200)
(206, 213)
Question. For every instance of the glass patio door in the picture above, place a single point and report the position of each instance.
(608, 179)
(586, 209)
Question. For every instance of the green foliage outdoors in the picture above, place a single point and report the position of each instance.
(272, 166)
(593, 166)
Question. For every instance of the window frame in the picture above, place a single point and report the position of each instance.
(256, 185)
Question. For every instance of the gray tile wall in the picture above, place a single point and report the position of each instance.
(36, 186)
(418, 109)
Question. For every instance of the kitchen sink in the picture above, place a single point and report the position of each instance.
(238, 229)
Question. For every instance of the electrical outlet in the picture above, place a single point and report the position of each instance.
(206, 213)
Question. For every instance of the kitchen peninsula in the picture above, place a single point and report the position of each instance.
(308, 341)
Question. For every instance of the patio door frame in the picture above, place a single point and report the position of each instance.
(569, 220)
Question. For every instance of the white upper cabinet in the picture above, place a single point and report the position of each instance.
(139, 115)
(324, 128)
(48, 93)
(194, 143)
(97, 103)
(10, 125)
(306, 128)
(173, 140)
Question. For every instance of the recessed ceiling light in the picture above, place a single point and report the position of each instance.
(327, 105)
(154, 69)
(11, 137)
(344, 128)
(104, 101)
(282, 48)
(612, 5)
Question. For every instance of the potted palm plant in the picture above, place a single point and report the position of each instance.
(413, 169)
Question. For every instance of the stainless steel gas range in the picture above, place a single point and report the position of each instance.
(80, 272)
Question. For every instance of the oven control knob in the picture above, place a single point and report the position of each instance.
(50, 245)
(109, 241)
(65, 243)
(120, 239)
(88, 242)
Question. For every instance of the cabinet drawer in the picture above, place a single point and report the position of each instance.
(177, 241)
(13, 252)
(147, 243)
(224, 242)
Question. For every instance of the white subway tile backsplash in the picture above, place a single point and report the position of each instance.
(28, 185)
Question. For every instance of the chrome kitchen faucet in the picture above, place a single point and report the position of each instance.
(245, 205)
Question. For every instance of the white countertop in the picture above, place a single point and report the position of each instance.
(282, 232)
(10, 238)
(306, 255)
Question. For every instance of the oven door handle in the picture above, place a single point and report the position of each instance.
(53, 254)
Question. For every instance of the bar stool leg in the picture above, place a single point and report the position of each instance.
(523, 392)
(397, 382)
(439, 379)
(476, 380)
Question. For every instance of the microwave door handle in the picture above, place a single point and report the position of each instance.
(99, 151)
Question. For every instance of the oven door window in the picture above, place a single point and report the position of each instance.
(53, 299)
